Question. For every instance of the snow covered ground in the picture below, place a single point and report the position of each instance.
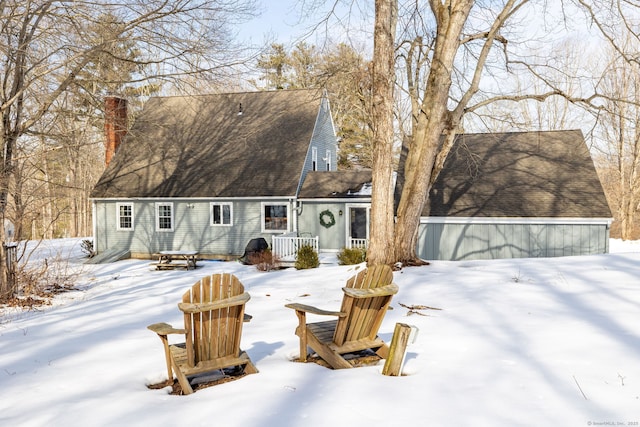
(521, 342)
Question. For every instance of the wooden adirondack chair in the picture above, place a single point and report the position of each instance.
(366, 299)
(213, 315)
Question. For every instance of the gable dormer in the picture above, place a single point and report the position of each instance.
(322, 155)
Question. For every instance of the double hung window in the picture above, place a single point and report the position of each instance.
(124, 213)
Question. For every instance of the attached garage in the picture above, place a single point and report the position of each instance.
(512, 195)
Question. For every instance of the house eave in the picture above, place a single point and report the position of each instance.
(337, 199)
(515, 220)
(150, 199)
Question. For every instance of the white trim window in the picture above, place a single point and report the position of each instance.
(124, 216)
(221, 214)
(314, 158)
(327, 159)
(275, 217)
(164, 216)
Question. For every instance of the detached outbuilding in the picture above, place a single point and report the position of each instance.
(512, 195)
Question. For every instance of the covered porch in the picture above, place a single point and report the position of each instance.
(284, 247)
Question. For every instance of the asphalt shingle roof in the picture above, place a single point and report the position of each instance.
(249, 144)
(337, 184)
(520, 174)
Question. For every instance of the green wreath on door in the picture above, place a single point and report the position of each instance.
(327, 219)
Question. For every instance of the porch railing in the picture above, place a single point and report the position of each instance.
(358, 243)
(286, 245)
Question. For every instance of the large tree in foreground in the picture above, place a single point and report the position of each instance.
(435, 118)
(444, 50)
(380, 249)
(458, 57)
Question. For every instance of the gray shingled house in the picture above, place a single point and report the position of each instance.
(210, 172)
(511, 195)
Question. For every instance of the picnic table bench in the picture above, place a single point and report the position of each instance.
(169, 260)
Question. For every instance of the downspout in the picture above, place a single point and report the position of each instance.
(94, 226)
(293, 202)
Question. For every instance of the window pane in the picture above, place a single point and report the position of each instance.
(226, 214)
(314, 158)
(221, 214)
(125, 222)
(164, 217)
(358, 223)
(216, 214)
(125, 216)
(275, 217)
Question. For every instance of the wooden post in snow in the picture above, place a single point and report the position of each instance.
(397, 350)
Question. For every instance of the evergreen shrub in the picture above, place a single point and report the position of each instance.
(352, 256)
(306, 258)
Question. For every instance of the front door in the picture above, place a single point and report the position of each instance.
(358, 226)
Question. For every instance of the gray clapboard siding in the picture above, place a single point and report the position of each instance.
(332, 238)
(455, 241)
(192, 228)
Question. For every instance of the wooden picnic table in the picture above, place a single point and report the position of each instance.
(176, 259)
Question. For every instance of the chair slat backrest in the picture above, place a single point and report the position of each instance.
(213, 333)
(364, 315)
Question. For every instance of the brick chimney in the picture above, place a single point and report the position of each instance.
(115, 124)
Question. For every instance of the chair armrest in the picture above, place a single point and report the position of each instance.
(188, 307)
(313, 310)
(165, 329)
(382, 291)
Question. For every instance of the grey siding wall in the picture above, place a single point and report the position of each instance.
(451, 241)
(192, 228)
(323, 139)
(332, 238)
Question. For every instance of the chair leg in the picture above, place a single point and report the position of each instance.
(383, 351)
(182, 380)
(301, 331)
(249, 367)
(167, 356)
(335, 360)
(303, 345)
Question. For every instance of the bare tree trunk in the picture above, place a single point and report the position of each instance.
(380, 249)
(47, 208)
(435, 125)
(431, 121)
